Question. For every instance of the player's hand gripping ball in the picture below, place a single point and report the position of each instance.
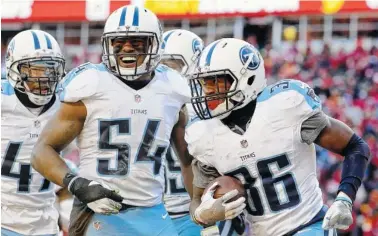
(222, 200)
(225, 185)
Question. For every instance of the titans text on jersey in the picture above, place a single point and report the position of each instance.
(275, 158)
(123, 147)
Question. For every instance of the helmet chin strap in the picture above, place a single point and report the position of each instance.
(35, 99)
(245, 66)
(39, 100)
(239, 120)
(237, 98)
(220, 108)
(25, 99)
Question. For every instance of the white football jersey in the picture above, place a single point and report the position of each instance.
(127, 132)
(26, 197)
(277, 166)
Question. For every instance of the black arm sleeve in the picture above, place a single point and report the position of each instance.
(357, 155)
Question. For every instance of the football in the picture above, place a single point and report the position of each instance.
(225, 185)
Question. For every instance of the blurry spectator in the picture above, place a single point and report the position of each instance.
(3, 52)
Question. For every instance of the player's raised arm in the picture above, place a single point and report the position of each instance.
(181, 148)
(339, 138)
(64, 126)
(34, 66)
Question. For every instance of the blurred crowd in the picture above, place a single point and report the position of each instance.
(3, 51)
(347, 84)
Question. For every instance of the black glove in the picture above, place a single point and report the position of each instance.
(96, 196)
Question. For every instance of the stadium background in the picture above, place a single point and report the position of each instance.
(332, 45)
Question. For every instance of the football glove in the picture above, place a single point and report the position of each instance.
(98, 197)
(212, 210)
(339, 215)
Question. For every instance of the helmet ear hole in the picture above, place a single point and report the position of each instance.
(251, 79)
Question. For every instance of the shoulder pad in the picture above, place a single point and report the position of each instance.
(81, 82)
(6, 88)
(302, 91)
(200, 141)
(177, 82)
(288, 103)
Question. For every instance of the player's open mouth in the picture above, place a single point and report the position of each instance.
(44, 91)
(128, 61)
(214, 103)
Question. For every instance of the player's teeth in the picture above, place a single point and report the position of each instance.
(128, 59)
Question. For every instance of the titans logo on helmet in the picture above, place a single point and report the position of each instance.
(246, 53)
(10, 49)
(196, 45)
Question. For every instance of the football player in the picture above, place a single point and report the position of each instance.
(264, 136)
(34, 66)
(123, 113)
(182, 50)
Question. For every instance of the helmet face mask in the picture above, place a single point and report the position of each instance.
(212, 93)
(130, 52)
(35, 69)
(40, 77)
(238, 76)
(131, 42)
(130, 64)
(176, 62)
